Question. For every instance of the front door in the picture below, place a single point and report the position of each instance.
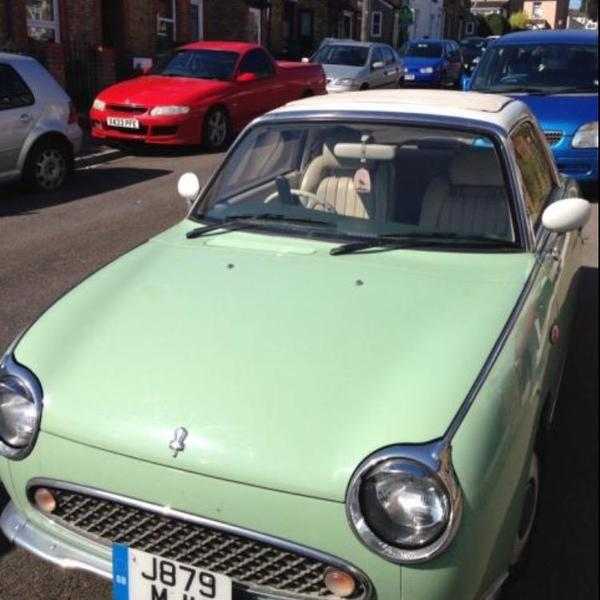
(16, 117)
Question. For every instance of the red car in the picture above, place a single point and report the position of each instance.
(206, 91)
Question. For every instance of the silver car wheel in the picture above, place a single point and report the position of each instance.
(50, 169)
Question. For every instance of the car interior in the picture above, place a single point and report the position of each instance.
(433, 181)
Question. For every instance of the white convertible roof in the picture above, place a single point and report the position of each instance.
(488, 108)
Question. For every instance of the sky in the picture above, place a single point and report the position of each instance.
(575, 4)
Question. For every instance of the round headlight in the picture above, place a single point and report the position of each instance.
(20, 409)
(405, 503)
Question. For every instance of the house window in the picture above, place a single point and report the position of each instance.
(538, 10)
(376, 23)
(197, 19)
(470, 28)
(166, 20)
(346, 26)
(43, 23)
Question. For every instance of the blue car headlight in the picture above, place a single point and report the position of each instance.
(586, 136)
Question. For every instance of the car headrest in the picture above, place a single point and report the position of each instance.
(476, 167)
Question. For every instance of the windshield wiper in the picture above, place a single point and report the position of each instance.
(419, 241)
(236, 222)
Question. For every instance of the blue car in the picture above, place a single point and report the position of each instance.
(432, 63)
(556, 74)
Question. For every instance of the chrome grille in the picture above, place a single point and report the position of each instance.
(553, 137)
(251, 564)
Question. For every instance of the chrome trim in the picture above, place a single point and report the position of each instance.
(11, 368)
(437, 457)
(167, 511)
(25, 534)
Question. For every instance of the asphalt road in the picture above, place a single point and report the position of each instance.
(49, 243)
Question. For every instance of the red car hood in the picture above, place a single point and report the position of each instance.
(154, 90)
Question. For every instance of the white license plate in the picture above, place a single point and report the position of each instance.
(124, 123)
(409, 77)
(142, 576)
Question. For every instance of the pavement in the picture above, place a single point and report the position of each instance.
(48, 243)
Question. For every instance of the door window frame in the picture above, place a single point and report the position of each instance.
(54, 24)
(13, 71)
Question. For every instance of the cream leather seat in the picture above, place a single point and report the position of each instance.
(471, 200)
(331, 179)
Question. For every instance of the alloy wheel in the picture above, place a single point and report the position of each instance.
(50, 169)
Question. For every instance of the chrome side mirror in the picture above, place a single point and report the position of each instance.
(188, 187)
(567, 215)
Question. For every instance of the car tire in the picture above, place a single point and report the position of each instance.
(364, 87)
(216, 131)
(48, 164)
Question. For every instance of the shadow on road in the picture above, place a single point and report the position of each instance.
(3, 502)
(84, 183)
(564, 553)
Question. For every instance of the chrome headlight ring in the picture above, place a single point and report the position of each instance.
(434, 457)
(13, 373)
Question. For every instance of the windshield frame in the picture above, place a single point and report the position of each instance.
(524, 240)
(523, 88)
(368, 49)
(159, 71)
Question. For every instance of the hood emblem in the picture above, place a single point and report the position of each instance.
(178, 442)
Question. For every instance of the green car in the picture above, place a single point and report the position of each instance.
(330, 381)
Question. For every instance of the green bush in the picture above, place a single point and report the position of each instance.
(498, 24)
(518, 21)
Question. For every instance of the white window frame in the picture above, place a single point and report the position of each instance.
(172, 20)
(54, 24)
(379, 33)
(200, 5)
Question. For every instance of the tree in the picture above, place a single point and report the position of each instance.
(518, 21)
(498, 24)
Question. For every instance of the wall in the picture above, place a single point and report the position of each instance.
(429, 19)
(547, 11)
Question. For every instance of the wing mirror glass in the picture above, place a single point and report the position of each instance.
(567, 215)
(377, 65)
(246, 77)
(188, 187)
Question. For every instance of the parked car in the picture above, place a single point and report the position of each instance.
(40, 133)
(205, 93)
(472, 49)
(429, 62)
(556, 74)
(244, 406)
(351, 65)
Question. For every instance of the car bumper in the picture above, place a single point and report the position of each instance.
(338, 89)
(422, 79)
(165, 131)
(75, 136)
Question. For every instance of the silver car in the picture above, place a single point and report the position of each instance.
(39, 133)
(351, 65)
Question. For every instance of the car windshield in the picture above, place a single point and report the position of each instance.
(364, 181)
(424, 50)
(337, 54)
(201, 64)
(538, 68)
(474, 44)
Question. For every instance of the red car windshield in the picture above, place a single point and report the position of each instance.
(201, 64)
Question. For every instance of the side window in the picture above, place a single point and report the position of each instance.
(536, 171)
(257, 62)
(376, 56)
(14, 92)
(388, 56)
